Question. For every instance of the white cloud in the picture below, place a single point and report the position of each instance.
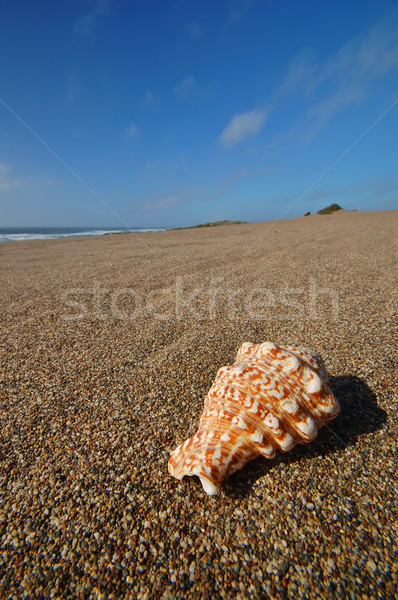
(185, 85)
(242, 126)
(133, 130)
(86, 24)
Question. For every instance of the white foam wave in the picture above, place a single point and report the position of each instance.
(23, 237)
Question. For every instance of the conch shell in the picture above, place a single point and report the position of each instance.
(272, 397)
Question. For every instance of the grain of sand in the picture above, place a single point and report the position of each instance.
(108, 348)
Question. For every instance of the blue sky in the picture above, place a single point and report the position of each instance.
(171, 113)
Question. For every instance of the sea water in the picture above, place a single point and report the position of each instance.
(16, 234)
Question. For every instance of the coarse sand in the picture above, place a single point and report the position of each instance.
(108, 348)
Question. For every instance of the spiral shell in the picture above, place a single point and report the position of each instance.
(272, 397)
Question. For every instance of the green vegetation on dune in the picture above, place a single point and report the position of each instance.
(328, 210)
(211, 224)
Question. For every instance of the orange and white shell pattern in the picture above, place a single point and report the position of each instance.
(272, 397)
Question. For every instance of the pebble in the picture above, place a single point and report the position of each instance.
(371, 565)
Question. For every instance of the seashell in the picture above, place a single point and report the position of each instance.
(272, 397)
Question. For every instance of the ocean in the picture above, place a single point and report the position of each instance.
(18, 234)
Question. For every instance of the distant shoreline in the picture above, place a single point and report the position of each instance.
(26, 234)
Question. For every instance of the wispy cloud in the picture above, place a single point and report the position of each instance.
(194, 29)
(242, 126)
(238, 174)
(4, 169)
(162, 202)
(236, 14)
(382, 186)
(323, 111)
(346, 78)
(73, 86)
(375, 192)
(301, 75)
(148, 97)
(7, 180)
(150, 165)
(133, 131)
(185, 85)
(85, 25)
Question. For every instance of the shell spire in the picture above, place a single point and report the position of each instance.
(272, 397)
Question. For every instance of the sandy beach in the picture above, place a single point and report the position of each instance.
(108, 348)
